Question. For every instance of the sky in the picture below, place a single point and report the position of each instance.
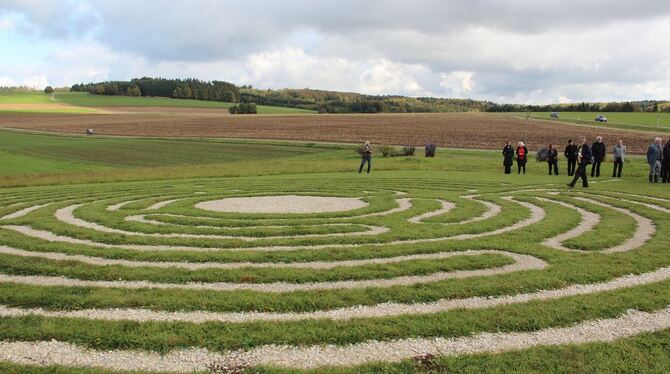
(506, 51)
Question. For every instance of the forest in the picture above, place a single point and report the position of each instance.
(325, 101)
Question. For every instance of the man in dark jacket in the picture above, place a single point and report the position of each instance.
(665, 165)
(508, 157)
(571, 152)
(655, 160)
(585, 156)
(552, 159)
(599, 150)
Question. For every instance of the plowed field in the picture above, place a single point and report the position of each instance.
(456, 130)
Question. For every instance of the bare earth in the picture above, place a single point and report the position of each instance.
(454, 130)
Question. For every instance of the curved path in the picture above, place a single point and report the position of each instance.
(196, 359)
(522, 262)
(360, 311)
(537, 215)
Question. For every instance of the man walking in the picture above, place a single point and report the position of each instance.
(570, 153)
(619, 156)
(654, 159)
(585, 157)
(599, 150)
(665, 168)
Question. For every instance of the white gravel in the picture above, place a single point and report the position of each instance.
(66, 215)
(644, 231)
(23, 212)
(161, 204)
(59, 353)
(283, 204)
(116, 207)
(100, 261)
(588, 221)
(522, 262)
(537, 214)
(446, 207)
(359, 311)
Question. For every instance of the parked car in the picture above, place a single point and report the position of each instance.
(601, 118)
(554, 115)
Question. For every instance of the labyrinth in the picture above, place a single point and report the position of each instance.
(301, 273)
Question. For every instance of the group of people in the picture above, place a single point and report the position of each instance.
(580, 156)
(658, 158)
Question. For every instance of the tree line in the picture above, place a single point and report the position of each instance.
(160, 87)
(349, 102)
(626, 106)
(324, 101)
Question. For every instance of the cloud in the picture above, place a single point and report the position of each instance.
(520, 51)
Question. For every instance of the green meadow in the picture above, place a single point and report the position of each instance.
(105, 212)
(626, 120)
(83, 99)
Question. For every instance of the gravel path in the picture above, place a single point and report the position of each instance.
(492, 210)
(66, 215)
(446, 207)
(537, 214)
(522, 262)
(283, 204)
(644, 231)
(360, 311)
(116, 207)
(100, 261)
(161, 204)
(23, 212)
(588, 222)
(59, 353)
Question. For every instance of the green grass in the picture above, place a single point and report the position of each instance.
(100, 171)
(23, 153)
(83, 99)
(629, 120)
(17, 103)
(25, 98)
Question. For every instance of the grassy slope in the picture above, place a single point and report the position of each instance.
(633, 121)
(87, 100)
(25, 98)
(35, 102)
(22, 153)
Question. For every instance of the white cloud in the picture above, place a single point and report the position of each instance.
(514, 51)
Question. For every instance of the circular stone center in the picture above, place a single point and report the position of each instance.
(282, 204)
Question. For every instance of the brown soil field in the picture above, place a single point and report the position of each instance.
(454, 130)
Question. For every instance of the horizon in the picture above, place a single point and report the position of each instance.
(517, 52)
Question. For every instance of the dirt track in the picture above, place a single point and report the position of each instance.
(457, 130)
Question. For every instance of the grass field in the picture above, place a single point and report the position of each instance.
(108, 258)
(35, 102)
(635, 121)
(82, 99)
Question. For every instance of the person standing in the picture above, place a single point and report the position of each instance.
(654, 159)
(552, 159)
(521, 157)
(665, 165)
(599, 150)
(619, 151)
(585, 157)
(508, 157)
(367, 157)
(571, 152)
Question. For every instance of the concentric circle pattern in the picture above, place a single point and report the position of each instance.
(303, 273)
